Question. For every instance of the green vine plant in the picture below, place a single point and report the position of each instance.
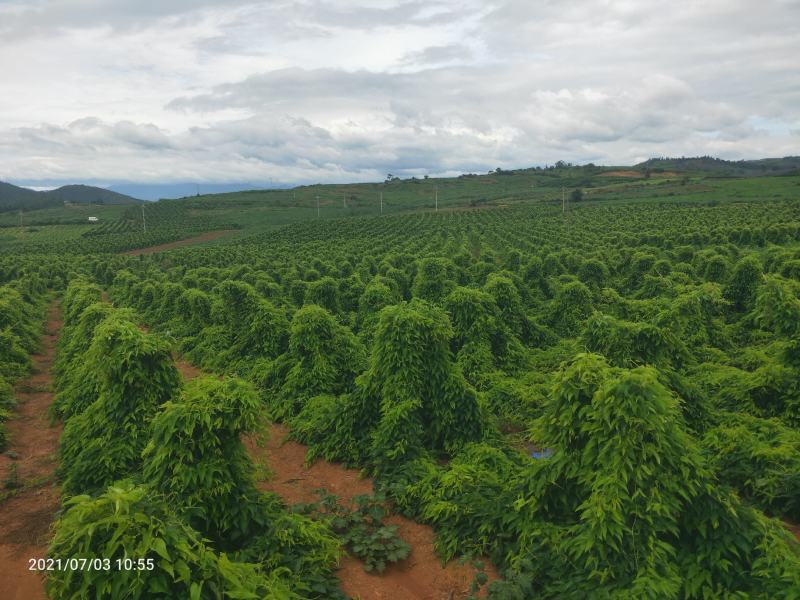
(188, 501)
(362, 529)
(128, 521)
(323, 357)
(104, 441)
(196, 459)
(411, 401)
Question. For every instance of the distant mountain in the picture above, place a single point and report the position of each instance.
(87, 194)
(13, 197)
(157, 191)
(745, 168)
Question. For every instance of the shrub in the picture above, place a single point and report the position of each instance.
(129, 522)
(411, 399)
(626, 480)
(593, 273)
(434, 280)
(717, 269)
(778, 306)
(628, 344)
(481, 340)
(195, 458)
(760, 458)
(324, 357)
(324, 292)
(361, 530)
(571, 307)
(104, 442)
(744, 283)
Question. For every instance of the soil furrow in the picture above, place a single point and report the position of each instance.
(419, 577)
(28, 511)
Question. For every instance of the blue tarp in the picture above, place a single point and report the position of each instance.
(546, 453)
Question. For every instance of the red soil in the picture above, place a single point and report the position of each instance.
(25, 517)
(198, 239)
(793, 527)
(639, 174)
(631, 174)
(419, 577)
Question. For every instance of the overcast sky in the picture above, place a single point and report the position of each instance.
(197, 90)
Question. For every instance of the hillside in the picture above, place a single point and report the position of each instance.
(86, 194)
(13, 197)
(734, 168)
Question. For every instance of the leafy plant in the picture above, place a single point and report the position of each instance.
(362, 529)
(323, 357)
(195, 458)
(130, 522)
(104, 442)
(742, 287)
(411, 399)
(760, 458)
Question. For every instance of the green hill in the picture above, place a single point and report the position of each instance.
(13, 197)
(788, 165)
(86, 194)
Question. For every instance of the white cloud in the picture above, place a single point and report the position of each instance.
(316, 90)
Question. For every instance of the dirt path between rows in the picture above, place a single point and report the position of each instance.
(419, 577)
(26, 516)
(198, 239)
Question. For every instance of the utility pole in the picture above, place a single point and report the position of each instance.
(436, 197)
(144, 223)
(344, 199)
(381, 202)
(318, 207)
(563, 200)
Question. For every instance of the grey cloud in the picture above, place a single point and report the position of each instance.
(30, 19)
(458, 87)
(354, 15)
(658, 108)
(434, 55)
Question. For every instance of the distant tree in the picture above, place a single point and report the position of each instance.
(576, 195)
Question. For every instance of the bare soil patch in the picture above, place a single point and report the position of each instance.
(793, 527)
(25, 517)
(198, 239)
(419, 577)
(631, 174)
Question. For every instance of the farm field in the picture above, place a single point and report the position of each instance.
(580, 382)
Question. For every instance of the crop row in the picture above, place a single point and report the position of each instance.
(153, 470)
(651, 365)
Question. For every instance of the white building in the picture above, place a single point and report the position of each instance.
(93, 219)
